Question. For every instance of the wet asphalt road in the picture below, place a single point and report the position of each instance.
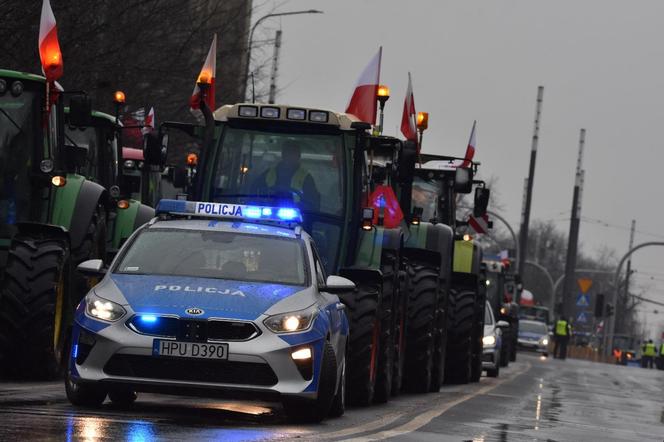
(534, 399)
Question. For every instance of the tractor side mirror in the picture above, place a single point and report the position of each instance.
(92, 267)
(407, 160)
(80, 111)
(463, 180)
(481, 201)
(153, 151)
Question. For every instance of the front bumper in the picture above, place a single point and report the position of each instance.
(490, 357)
(525, 344)
(261, 367)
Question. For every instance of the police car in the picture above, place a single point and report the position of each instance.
(213, 299)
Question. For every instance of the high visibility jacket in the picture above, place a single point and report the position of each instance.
(296, 183)
(661, 349)
(561, 328)
(649, 349)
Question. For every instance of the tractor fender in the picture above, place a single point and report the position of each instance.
(433, 243)
(36, 230)
(358, 275)
(128, 220)
(89, 197)
(370, 248)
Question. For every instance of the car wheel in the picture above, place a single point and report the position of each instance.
(312, 411)
(83, 394)
(494, 372)
(122, 396)
(339, 402)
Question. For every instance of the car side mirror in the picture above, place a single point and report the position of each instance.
(502, 324)
(463, 180)
(338, 284)
(80, 111)
(481, 201)
(92, 267)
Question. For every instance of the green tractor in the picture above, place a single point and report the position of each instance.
(55, 211)
(243, 147)
(456, 261)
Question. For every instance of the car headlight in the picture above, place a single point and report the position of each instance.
(291, 321)
(489, 341)
(100, 308)
(544, 341)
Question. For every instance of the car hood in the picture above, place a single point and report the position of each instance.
(530, 336)
(175, 294)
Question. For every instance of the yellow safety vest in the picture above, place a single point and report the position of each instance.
(649, 349)
(561, 328)
(297, 180)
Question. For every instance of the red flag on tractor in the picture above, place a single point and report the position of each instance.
(470, 150)
(409, 117)
(49, 48)
(206, 77)
(363, 102)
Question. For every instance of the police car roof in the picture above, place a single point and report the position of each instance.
(213, 225)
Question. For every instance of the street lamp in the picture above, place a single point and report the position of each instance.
(251, 38)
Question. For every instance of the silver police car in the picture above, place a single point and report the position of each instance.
(214, 299)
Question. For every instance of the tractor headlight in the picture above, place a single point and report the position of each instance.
(292, 321)
(103, 309)
(489, 341)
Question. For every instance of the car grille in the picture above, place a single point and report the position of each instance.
(193, 370)
(196, 330)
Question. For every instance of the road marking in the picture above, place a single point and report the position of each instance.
(424, 418)
(373, 425)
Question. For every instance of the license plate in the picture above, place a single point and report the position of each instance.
(197, 350)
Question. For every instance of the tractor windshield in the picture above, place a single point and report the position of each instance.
(18, 133)
(304, 169)
(425, 196)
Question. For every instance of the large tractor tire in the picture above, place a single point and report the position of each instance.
(92, 246)
(421, 327)
(401, 324)
(477, 334)
(34, 294)
(458, 359)
(363, 345)
(388, 327)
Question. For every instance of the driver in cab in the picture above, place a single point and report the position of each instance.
(289, 177)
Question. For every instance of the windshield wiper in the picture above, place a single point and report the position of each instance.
(4, 112)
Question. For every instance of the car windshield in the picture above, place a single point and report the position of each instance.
(539, 314)
(533, 327)
(17, 143)
(216, 254)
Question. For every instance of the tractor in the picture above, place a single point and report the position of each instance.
(501, 293)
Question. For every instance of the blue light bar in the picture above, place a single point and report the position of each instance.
(229, 211)
(149, 318)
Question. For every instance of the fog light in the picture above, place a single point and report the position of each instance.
(303, 353)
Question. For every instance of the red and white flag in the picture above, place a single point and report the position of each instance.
(49, 48)
(206, 76)
(148, 122)
(470, 150)
(409, 117)
(363, 103)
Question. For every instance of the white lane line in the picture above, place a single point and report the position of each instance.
(373, 425)
(425, 418)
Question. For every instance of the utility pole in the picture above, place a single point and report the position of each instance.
(572, 242)
(275, 68)
(525, 216)
(625, 299)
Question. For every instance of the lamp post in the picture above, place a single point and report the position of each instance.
(251, 38)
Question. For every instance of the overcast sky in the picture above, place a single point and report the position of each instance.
(601, 63)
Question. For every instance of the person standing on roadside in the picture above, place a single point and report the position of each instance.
(563, 331)
(648, 353)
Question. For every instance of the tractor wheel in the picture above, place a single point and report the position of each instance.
(34, 294)
(388, 327)
(478, 333)
(513, 346)
(401, 323)
(506, 349)
(459, 339)
(364, 342)
(421, 329)
(93, 246)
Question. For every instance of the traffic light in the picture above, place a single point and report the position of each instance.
(599, 305)
(609, 309)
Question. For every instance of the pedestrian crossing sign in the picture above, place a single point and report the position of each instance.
(582, 317)
(582, 300)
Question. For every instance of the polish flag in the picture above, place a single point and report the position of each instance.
(49, 48)
(470, 150)
(206, 76)
(149, 122)
(409, 117)
(363, 103)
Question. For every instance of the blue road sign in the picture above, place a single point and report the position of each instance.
(582, 317)
(582, 300)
